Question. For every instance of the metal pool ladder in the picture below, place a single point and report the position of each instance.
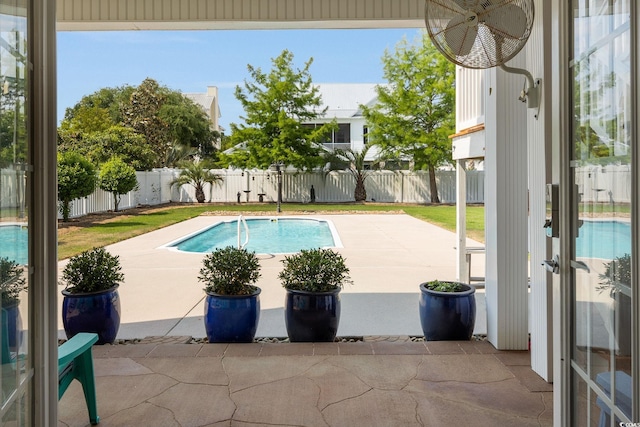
(246, 230)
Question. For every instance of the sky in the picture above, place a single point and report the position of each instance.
(189, 61)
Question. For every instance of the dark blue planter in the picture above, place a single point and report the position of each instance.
(312, 316)
(14, 326)
(97, 312)
(232, 318)
(447, 315)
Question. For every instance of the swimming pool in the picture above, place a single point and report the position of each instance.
(266, 236)
(603, 239)
(13, 243)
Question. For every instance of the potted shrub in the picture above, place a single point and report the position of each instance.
(616, 279)
(91, 302)
(12, 283)
(447, 310)
(313, 280)
(232, 304)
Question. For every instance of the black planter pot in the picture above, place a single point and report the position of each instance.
(231, 318)
(97, 312)
(312, 316)
(447, 315)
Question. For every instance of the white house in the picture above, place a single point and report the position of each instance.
(343, 101)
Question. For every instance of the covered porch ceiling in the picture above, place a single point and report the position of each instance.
(123, 15)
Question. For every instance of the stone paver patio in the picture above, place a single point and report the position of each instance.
(322, 384)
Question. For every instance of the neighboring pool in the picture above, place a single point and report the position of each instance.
(266, 236)
(603, 239)
(13, 243)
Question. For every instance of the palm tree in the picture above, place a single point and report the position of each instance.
(353, 161)
(196, 173)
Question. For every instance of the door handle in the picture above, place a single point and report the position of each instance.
(552, 265)
(580, 265)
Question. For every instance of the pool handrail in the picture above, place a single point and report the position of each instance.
(246, 229)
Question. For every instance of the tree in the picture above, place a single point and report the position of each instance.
(117, 178)
(197, 175)
(353, 161)
(188, 124)
(415, 112)
(76, 178)
(160, 119)
(276, 104)
(120, 141)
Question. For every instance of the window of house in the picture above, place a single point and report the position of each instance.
(365, 134)
(343, 134)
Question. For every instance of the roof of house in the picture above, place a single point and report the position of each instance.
(344, 99)
(202, 99)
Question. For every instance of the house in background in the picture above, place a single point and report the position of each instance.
(343, 101)
(209, 101)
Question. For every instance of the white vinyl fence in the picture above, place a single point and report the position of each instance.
(330, 187)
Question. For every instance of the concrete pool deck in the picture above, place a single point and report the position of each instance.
(389, 256)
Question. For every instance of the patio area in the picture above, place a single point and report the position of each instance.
(168, 377)
(381, 383)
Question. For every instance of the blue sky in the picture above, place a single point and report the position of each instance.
(189, 61)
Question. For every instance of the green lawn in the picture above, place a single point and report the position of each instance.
(74, 242)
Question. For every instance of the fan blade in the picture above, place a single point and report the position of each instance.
(462, 4)
(507, 20)
(460, 35)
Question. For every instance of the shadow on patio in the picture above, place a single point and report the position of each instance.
(388, 381)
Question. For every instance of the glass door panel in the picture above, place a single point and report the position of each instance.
(16, 370)
(601, 217)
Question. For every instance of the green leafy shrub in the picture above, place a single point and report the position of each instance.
(11, 281)
(76, 179)
(314, 270)
(117, 178)
(94, 270)
(617, 273)
(440, 286)
(230, 271)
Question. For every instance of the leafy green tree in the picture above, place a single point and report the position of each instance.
(13, 137)
(276, 104)
(76, 178)
(116, 140)
(196, 174)
(188, 124)
(415, 112)
(117, 178)
(160, 117)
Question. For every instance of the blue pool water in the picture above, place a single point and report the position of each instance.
(266, 236)
(603, 239)
(13, 243)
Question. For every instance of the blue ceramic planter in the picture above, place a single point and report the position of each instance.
(231, 318)
(447, 315)
(97, 312)
(14, 326)
(312, 316)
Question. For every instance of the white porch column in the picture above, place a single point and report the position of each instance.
(506, 210)
(461, 221)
